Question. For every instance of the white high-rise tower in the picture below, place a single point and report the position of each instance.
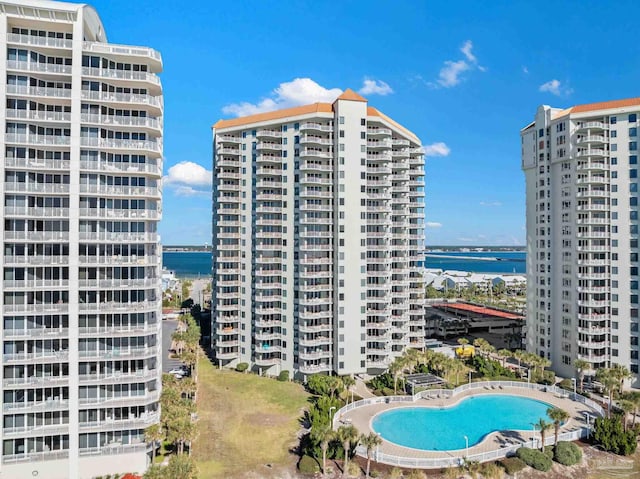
(581, 169)
(318, 239)
(81, 160)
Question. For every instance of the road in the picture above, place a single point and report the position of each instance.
(198, 290)
(168, 327)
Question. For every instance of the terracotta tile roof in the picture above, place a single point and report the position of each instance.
(603, 105)
(606, 105)
(349, 94)
(371, 111)
(275, 115)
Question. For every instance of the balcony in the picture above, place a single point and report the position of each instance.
(379, 157)
(592, 152)
(310, 152)
(14, 187)
(145, 53)
(39, 67)
(112, 306)
(58, 236)
(122, 283)
(33, 91)
(316, 140)
(35, 381)
(145, 146)
(36, 283)
(119, 214)
(123, 401)
(383, 143)
(120, 353)
(269, 146)
(118, 237)
(35, 212)
(269, 159)
(137, 122)
(229, 139)
(36, 115)
(35, 430)
(120, 330)
(41, 140)
(37, 357)
(316, 127)
(124, 98)
(37, 41)
(149, 167)
(591, 139)
(35, 260)
(111, 424)
(592, 125)
(371, 131)
(127, 75)
(118, 260)
(268, 134)
(113, 190)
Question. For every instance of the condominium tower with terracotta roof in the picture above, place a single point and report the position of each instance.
(581, 170)
(318, 233)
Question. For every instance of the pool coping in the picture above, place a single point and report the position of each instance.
(495, 445)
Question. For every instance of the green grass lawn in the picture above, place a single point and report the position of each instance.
(244, 422)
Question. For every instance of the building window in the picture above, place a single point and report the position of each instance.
(633, 131)
(613, 120)
(633, 146)
(614, 134)
(633, 118)
(341, 120)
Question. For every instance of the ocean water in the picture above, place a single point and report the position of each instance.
(187, 264)
(479, 262)
(192, 265)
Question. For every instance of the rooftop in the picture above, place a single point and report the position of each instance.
(470, 308)
(603, 105)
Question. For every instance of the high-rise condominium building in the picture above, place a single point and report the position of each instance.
(81, 160)
(581, 169)
(318, 233)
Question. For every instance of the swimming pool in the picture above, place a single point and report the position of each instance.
(443, 429)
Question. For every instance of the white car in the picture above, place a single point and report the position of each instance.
(178, 372)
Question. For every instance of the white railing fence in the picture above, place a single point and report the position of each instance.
(455, 458)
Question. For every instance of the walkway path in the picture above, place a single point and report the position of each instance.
(361, 389)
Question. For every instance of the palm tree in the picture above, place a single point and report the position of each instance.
(154, 434)
(323, 435)
(481, 344)
(558, 416)
(581, 366)
(504, 355)
(626, 406)
(347, 435)
(543, 426)
(348, 382)
(621, 373)
(610, 383)
(370, 441)
(634, 397)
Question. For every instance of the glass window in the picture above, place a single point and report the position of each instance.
(633, 146)
(633, 131)
(633, 159)
(633, 117)
(613, 120)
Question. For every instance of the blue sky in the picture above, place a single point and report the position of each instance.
(464, 76)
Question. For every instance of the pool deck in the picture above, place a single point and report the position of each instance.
(361, 418)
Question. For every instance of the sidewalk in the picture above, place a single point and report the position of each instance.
(361, 389)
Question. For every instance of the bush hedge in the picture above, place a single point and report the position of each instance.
(283, 376)
(513, 465)
(242, 367)
(308, 465)
(534, 458)
(567, 453)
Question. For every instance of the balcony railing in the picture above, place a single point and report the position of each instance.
(125, 50)
(38, 91)
(39, 41)
(130, 98)
(117, 144)
(45, 140)
(121, 75)
(15, 114)
(148, 167)
(119, 120)
(39, 67)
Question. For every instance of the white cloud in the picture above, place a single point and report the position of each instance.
(466, 51)
(188, 173)
(300, 91)
(450, 74)
(555, 87)
(375, 87)
(188, 179)
(490, 203)
(189, 191)
(436, 149)
(433, 224)
(525, 70)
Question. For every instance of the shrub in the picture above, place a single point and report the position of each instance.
(417, 474)
(491, 470)
(308, 465)
(513, 465)
(608, 432)
(548, 451)
(396, 473)
(388, 391)
(242, 367)
(534, 458)
(567, 453)
(283, 376)
(353, 469)
(566, 384)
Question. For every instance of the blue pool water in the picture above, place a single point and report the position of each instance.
(443, 429)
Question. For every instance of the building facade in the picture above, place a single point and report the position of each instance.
(318, 232)
(581, 170)
(81, 157)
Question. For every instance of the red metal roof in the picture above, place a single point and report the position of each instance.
(478, 309)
